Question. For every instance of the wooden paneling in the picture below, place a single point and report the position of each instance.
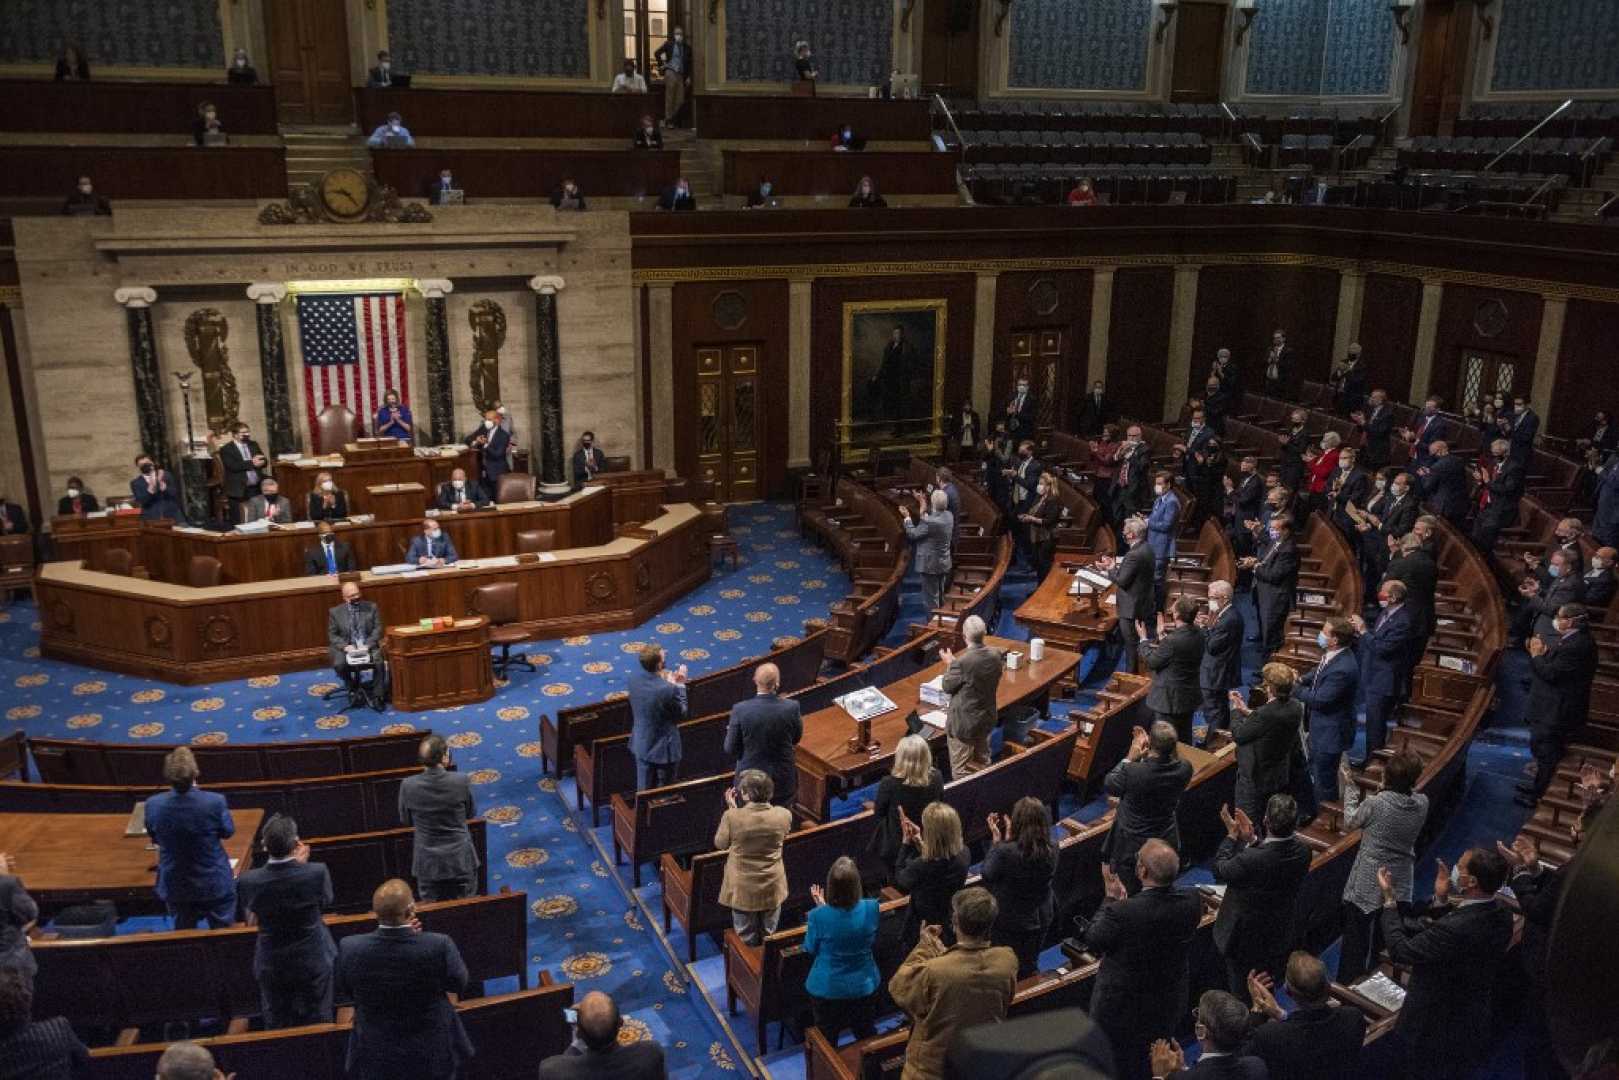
(146, 172)
(1388, 331)
(1022, 302)
(1495, 321)
(1199, 49)
(826, 338)
(309, 61)
(134, 107)
(827, 172)
(526, 114)
(1442, 46)
(527, 172)
(1585, 369)
(751, 116)
(1239, 306)
(1138, 340)
(764, 322)
(950, 47)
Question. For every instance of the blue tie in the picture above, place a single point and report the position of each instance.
(331, 559)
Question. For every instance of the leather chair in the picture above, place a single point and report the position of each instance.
(536, 540)
(620, 463)
(335, 427)
(118, 561)
(16, 564)
(498, 603)
(515, 487)
(204, 572)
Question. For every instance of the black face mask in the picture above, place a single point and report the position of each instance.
(148, 469)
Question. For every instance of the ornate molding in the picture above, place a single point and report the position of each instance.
(600, 588)
(217, 632)
(267, 292)
(1000, 18)
(435, 288)
(547, 283)
(905, 16)
(135, 296)
(11, 295)
(304, 207)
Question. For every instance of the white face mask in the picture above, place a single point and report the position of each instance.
(432, 534)
(488, 424)
(72, 493)
(1159, 489)
(326, 485)
(1380, 483)
(459, 484)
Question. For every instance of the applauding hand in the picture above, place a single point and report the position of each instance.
(1112, 887)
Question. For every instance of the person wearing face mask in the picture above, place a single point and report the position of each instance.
(1104, 467)
(647, 136)
(1175, 659)
(13, 519)
(77, 501)
(1020, 412)
(457, 494)
(1096, 412)
(1221, 669)
(1542, 600)
(353, 633)
(394, 419)
(1041, 521)
(932, 531)
(568, 196)
(207, 130)
(804, 64)
(1348, 488)
(1216, 404)
(1602, 435)
(1321, 461)
(431, 547)
(1131, 573)
(83, 200)
(1430, 428)
(1132, 493)
(1390, 822)
(1244, 499)
(1444, 483)
(1278, 365)
(241, 71)
(330, 556)
(675, 63)
(763, 196)
(865, 196)
(268, 505)
(629, 81)
(1389, 514)
(1500, 487)
(1276, 579)
(966, 431)
(1521, 432)
(1163, 523)
(1384, 650)
(493, 443)
(1565, 538)
(1599, 579)
(1270, 757)
(844, 139)
(383, 74)
(1328, 694)
(1195, 465)
(1290, 454)
(678, 197)
(154, 491)
(244, 465)
(1374, 423)
(1349, 384)
(1562, 666)
(391, 132)
(440, 187)
(588, 460)
(327, 502)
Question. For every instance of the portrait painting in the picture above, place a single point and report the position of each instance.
(893, 369)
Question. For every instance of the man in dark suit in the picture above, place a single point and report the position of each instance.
(1175, 660)
(353, 632)
(1521, 435)
(188, 826)
(764, 732)
(1501, 483)
(1148, 784)
(1020, 412)
(244, 466)
(1445, 483)
(398, 976)
(1278, 365)
(1144, 941)
(678, 197)
(1221, 1026)
(1349, 486)
(493, 443)
(43, 1049)
(1254, 928)
(1542, 599)
(1276, 579)
(1221, 669)
(155, 491)
(1560, 675)
(1315, 1042)
(438, 803)
(1328, 694)
(1384, 649)
(1599, 579)
(588, 460)
(1132, 486)
(1430, 428)
(657, 706)
(293, 958)
(966, 432)
(383, 74)
(1290, 454)
(13, 519)
(1349, 394)
(1096, 410)
(1400, 514)
(431, 547)
(1133, 577)
(268, 505)
(330, 556)
(1375, 422)
(1444, 1024)
(1245, 499)
(971, 680)
(1199, 464)
(596, 1053)
(457, 494)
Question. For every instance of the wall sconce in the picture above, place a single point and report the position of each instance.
(714, 11)
(1166, 13)
(905, 16)
(1249, 12)
(1000, 19)
(1485, 18)
(1401, 10)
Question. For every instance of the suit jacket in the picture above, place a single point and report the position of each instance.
(404, 1026)
(1175, 660)
(968, 424)
(1567, 589)
(755, 876)
(1133, 575)
(1398, 518)
(1161, 526)
(1385, 650)
(673, 200)
(1317, 1042)
(1248, 498)
(1446, 487)
(1221, 668)
(932, 534)
(258, 506)
(658, 706)
(238, 467)
(971, 681)
(1276, 578)
(473, 492)
(441, 547)
(376, 77)
(1522, 435)
(763, 734)
(1599, 588)
(316, 510)
(1020, 420)
(587, 462)
(1224, 1067)
(1133, 482)
(1025, 485)
(1605, 523)
(17, 910)
(1268, 744)
(946, 989)
(1290, 456)
(1144, 942)
(156, 505)
(315, 558)
(492, 455)
(1262, 880)
(1197, 442)
(1560, 684)
(1093, 415)
(344, 628)
(1420, 575)
(633, 1061)
(438, 804)
(1429, 430)
(87, 505)
(645, 141)
(1149, 793)
(187, 827)
(46, 1049)
(287, 899)
(1375, 432)
(1505, 488)
(1453, 962)
(1353, 490)
(1328, 692)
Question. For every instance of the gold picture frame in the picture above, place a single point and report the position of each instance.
(901, 407)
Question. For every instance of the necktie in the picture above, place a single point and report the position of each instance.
(331, 559)
(269, 509)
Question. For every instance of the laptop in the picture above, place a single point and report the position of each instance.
(215, 138)
(395, 141)
(399, 82)
(452, 197)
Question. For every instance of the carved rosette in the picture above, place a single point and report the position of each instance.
(61, 617)
(273, 365)
(218, 632)
(440, 386)
(159, 634)
(643, 579)
(600, 589)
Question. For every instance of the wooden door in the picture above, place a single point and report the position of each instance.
(1485, 373)
(1442, 40)
(1038, 355)
(950, 47)
(730, 414)
(1199, 48)
(309, 61)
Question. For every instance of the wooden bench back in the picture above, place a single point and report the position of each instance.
(359, 862)
(75, 761)
(1037, 771)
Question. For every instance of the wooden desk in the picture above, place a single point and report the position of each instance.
(526, 114)
(358, 474)
(826, 172)
(826, 766)
(146, 172)
(529, 172)
(396, 501)
(785, 116)
(441, 666)
(1061, 619)
(77, 858)
(134, 106)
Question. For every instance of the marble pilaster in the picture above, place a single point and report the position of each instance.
(548, 385)
(137, 302)
(267, 298)
(440, 383)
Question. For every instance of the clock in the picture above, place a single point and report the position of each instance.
(345, 194)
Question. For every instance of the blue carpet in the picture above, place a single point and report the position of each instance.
(583, 927)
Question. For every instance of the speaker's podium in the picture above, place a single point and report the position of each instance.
(440, 662)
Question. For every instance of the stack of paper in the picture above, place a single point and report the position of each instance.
(932, 692)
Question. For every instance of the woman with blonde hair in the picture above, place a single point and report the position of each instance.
(932, 868)
(907, 790)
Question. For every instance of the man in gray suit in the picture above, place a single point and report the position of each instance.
(657, 706)
(932, 533)
(1133, 575)
(438, 804)
(353, 631)
(764, 733)
(971, 681)
(268, 505)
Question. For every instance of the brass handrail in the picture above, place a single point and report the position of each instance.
(1526, 136)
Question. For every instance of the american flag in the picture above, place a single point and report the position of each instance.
(354, 351)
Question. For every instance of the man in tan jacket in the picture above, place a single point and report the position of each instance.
(946, 990)
(755, 882)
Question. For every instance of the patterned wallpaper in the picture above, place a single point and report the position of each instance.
(537, 38)
(173, 33)
(851, 40)
(1322, 47)
(1096, 45)
(1556, 45)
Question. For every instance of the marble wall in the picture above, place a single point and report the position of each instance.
(1556, 45)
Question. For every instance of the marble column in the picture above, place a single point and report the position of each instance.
(1433, 295)
(1351, 300)
(1554, 314)
(661, 348)
(983, 344)
(440, 382)
(798, 372)
(267, 297)
(1101, 326)
(548, 386)
(1182, 320)
(137, 302)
